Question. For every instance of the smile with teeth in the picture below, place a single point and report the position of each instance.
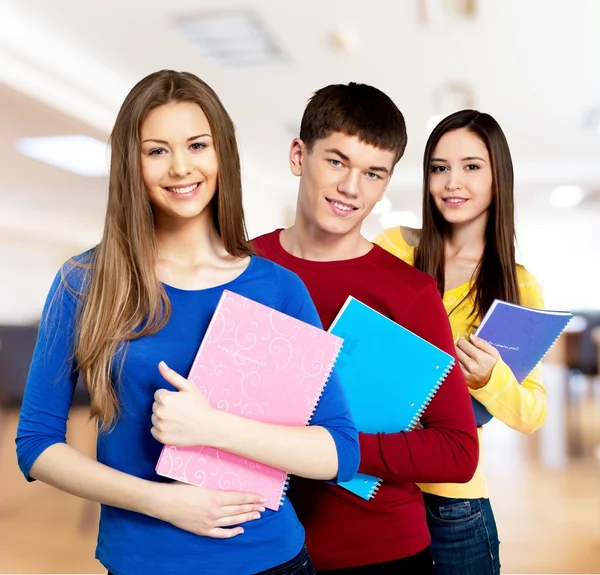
(183, 190)
(454, 201)
(342, 207)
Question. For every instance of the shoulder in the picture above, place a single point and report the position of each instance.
(401, 277)
(75, 274)
(263, 245)
(271, 272)
(530, 289)
(400, 241)
(69, 288)
(281, 289)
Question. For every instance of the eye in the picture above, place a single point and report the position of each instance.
(196, 146)
(372, 176)
(336, 163)
(438, 169)
(471, 167)
(157, 152)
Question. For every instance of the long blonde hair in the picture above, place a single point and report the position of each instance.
(124, 299)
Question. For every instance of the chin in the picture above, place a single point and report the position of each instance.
(454, 216)
(188, 214)
(336, 228)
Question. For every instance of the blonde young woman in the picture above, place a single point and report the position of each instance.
(129, 316)
(467, 244)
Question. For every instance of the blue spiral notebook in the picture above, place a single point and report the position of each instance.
(522, 336)
(389, 375)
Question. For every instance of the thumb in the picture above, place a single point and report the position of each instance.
(177, 381)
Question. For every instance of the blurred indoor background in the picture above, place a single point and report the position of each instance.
(65, 67)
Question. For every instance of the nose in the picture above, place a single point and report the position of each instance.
(349, 185)
(454, 181)
(180, 165)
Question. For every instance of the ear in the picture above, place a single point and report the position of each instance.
(297, 151)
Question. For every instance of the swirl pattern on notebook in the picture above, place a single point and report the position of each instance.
(258, 363)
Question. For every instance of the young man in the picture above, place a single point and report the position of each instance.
(351, 137)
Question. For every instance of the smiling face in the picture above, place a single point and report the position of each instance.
(341, 180)
(460, 178)
(179, 161)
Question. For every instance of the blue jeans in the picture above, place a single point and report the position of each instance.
(464, 537)
(418, 564)
(299, 565)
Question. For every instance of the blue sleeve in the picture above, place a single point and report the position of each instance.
(333, 411)
(51, 380)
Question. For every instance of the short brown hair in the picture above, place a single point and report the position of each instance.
(356, 110)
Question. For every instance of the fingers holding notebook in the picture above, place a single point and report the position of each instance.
(183, 417)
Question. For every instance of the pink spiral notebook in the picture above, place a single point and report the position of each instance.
(258, 363)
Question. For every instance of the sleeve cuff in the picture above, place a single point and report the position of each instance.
(369, 447)
(501, 378)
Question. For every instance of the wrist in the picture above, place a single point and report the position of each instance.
(153, 499)
(223, 430)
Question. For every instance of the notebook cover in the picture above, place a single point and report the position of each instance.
(522, 336)
(389, 375)
(258, 363)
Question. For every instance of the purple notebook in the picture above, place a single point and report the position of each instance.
(522, 336)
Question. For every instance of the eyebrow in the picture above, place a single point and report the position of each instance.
(468, 158)
(382, 169)
(167, 143)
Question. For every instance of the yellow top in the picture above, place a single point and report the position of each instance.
(521, 406)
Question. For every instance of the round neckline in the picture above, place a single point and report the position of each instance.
(318, 264)
(462, 287)
(240, 276)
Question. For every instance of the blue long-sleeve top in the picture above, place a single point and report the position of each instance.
(130, 543)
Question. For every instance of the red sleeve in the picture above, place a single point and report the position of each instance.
(447, 450)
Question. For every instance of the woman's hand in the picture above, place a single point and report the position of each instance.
(477, 359)
(207, 512)
(183, 418)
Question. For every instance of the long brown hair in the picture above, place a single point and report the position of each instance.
(496, 273)
(123, 298)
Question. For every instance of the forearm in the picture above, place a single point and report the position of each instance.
(424, 455)
(305, 451)
(73, 472)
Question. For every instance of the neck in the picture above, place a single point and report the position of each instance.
(309, 242)
(189, 242)
(467, 240)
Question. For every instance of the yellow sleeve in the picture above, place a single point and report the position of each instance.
(522, 407)
(388, 241)
(392, 241)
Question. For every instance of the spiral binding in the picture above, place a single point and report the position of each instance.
(284, 488)
(323, 384)
(551, 345)
(312, 410)
(428, 399)
(374, 489)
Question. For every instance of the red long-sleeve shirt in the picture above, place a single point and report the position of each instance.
(343, 530)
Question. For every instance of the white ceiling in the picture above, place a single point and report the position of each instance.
(68, 64)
